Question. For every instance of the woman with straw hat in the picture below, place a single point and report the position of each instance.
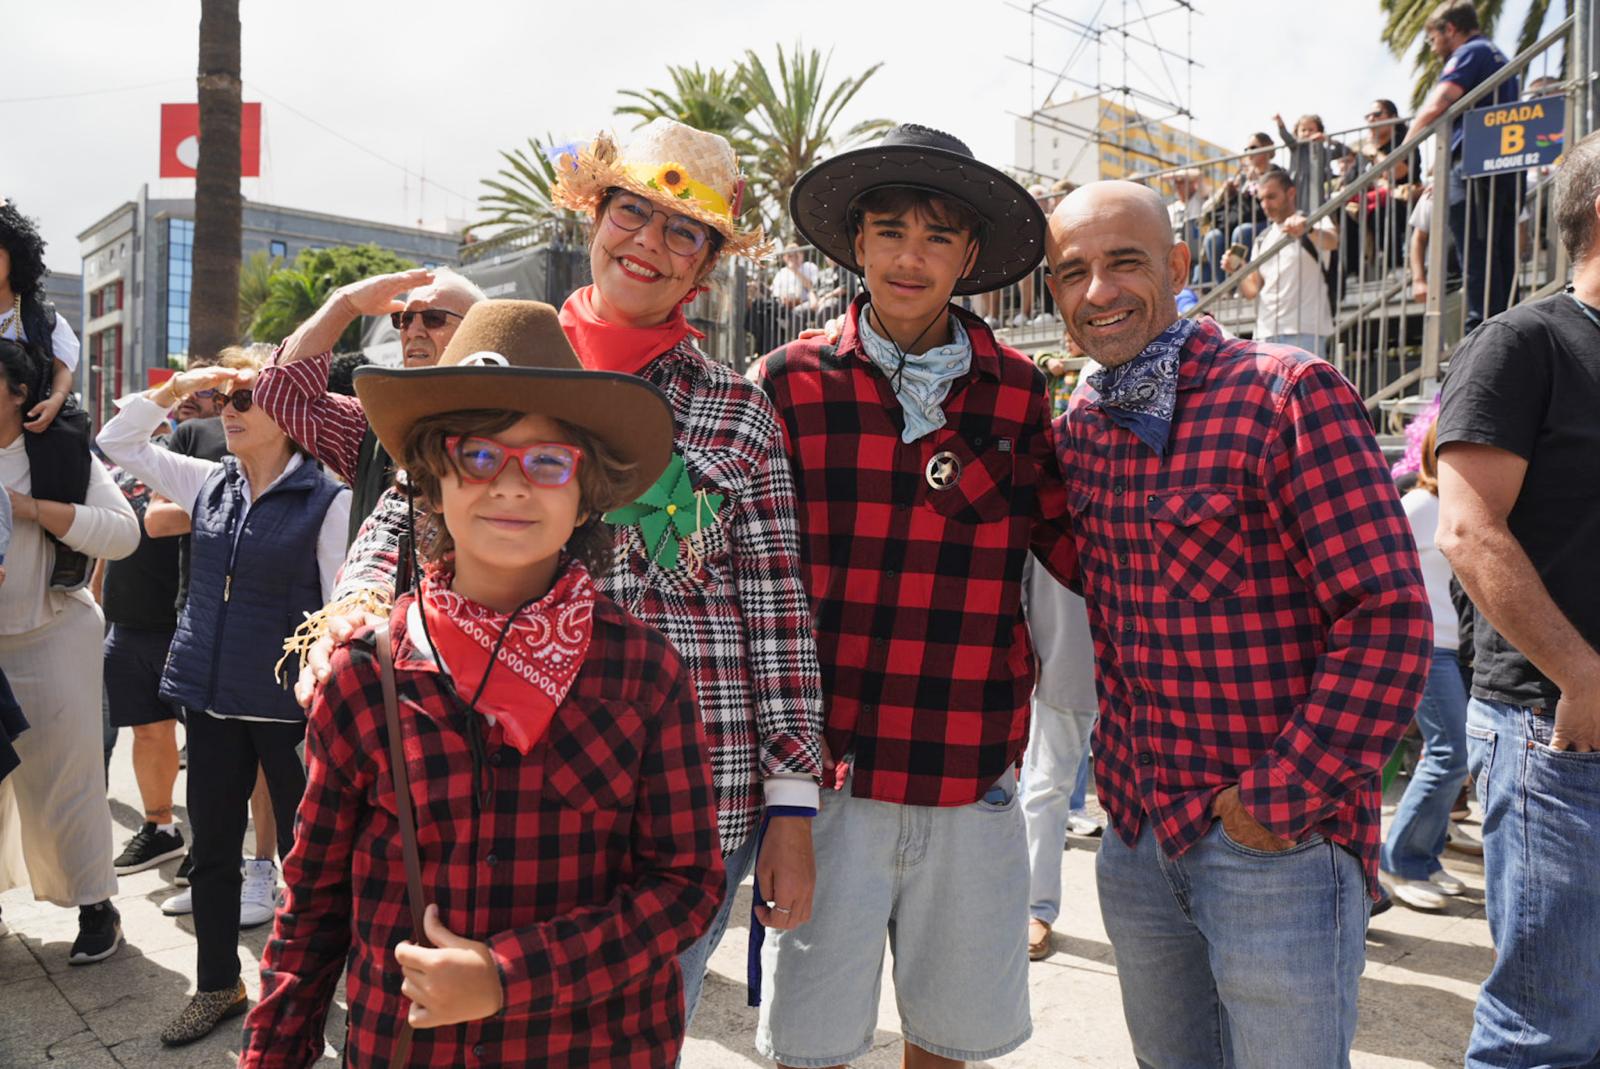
(710, 553)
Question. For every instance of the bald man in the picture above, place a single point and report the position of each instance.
(1261, 638)
(425, 305)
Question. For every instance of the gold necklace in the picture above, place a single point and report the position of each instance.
(13, 317)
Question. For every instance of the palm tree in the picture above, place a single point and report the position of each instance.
(292, 296)
(792, 120)
(218, 204)
(519, 198)
(712, 100)
(254, 276)
(1404, 21)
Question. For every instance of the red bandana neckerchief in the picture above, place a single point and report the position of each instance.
(604, 346)
(537, 662)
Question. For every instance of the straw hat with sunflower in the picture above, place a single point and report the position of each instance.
(682, 169)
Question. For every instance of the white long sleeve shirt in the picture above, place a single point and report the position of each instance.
(103, 526)
(126, 440)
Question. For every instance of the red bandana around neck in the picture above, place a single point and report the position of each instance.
(604, 346)
(537, 662)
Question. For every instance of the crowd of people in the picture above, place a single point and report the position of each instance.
(591, 630)
(1381, 231)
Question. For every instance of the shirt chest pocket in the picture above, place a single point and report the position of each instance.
(970, 482)
(593, 756)
(1198, 541)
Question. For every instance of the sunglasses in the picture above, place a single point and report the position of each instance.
(241, 400)
(683, 235)
(481, 460)
(432, 318)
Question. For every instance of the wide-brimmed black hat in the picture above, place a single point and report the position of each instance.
(1011, 244)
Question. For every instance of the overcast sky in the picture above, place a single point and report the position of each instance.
(439, 88)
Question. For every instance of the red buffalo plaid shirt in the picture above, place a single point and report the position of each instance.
(1255, 598)
(592, 864)
(916, 591)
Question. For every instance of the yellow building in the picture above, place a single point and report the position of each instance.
(1090, 137)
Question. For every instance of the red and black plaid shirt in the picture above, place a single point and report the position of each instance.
(1255, 597)
(916, 591)
(592, 865)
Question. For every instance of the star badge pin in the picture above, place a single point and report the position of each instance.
(943, 471)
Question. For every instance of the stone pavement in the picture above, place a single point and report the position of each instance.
(1416, 995)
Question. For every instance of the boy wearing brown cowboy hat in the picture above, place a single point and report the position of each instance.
(923, 462)
(553, 805)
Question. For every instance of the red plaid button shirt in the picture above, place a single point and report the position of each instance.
(593, 864)
(1255, 598)
(916, 591)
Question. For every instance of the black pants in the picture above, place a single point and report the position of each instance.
(1483, 223)
(223, 755)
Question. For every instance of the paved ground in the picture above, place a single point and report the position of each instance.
(1416, 995)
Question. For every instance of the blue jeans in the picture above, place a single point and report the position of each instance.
(1209, 270)
(1080, 785)
(1540, 1005)
(1233, 957)
(1422, 820)
(693, 960)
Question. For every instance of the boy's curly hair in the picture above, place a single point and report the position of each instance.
(19, 236)
(601, 481)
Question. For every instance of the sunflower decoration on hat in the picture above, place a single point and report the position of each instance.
(682, 169)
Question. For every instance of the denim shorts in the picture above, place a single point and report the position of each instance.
(947, 888)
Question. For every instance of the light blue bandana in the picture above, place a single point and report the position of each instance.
(925, 380)
(1142, 394)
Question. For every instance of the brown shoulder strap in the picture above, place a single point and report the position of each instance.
(401, 1054)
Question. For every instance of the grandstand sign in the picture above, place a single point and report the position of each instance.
(1514, 137)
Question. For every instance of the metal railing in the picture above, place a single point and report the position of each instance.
(1396, 286)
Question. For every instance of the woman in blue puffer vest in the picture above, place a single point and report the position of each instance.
(269, 531)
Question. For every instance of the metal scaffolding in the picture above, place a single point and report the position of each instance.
(1115, 55)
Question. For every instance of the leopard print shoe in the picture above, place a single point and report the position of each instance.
(205, 1011)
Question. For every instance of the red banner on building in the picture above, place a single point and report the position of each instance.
(180, 140)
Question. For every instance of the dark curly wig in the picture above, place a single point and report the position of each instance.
(19, 236)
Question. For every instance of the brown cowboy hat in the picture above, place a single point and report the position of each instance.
(514, 355)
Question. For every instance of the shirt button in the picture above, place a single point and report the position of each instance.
(890, 573)
(495, 758)
(1122, 558)
(868, 710)
(1138, 694)
(1150, 500)
(1146, 759)
(1127, 625)
(477, 1050)
(1119, 487)
(880, 642)
(493, 859)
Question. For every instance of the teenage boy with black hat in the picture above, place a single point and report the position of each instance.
(921, 450)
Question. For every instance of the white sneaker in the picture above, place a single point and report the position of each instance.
(1043, 318)
(1418, 894)
(258, 898)
(1463, 841)
(1447, 884)
(1019, 320)
(1080, 822)
(180, 903)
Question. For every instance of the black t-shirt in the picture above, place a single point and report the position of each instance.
(140, 588)
(203, 438)
(1528, 382)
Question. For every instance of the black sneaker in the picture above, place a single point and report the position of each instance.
(149, 847)
(187, 866)
(99, 934)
